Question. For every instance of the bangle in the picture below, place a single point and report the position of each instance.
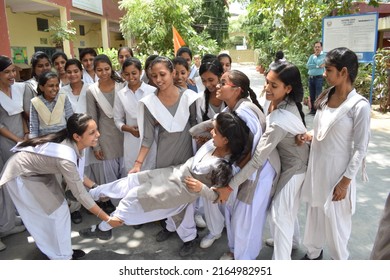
(139, 162)
(94, 186)
(108, 221)
(100, 211)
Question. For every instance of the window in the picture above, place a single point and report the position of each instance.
(82, 30)
(42, 24)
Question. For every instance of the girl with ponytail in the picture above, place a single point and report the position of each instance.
(284, 121)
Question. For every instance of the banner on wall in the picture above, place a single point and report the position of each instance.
(19, 54)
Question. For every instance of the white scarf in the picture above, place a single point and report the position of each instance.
(287, 121)
(170, 123)
(103, 102)
(13, 105)
(55, 150)
(352, 99)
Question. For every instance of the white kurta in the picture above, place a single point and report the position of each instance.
(339, 145)
(245, 221)
(125, 112)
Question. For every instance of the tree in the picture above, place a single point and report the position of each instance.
(213, 18)
(150, 23)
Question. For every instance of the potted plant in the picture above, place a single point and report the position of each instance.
(61, 31)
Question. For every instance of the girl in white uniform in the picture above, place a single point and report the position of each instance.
(250, 189)
(29, 176)
(341, 132)
(125, 113)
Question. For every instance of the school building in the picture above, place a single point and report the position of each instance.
(23, 25)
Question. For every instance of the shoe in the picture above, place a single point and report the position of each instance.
(163, 235)
(76, 217)
(69, 195)
(107, 206)
(208, 240)
(78, 254)
(137, 226)
(18, 221)
(2, 246)
(227, 257)
(199, 221)
(306, 257)
(15, 229)
(95, 232)
(188, 248)
(270, 243)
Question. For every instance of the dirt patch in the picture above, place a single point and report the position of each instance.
(380, 121)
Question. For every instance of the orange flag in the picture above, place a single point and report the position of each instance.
(177, 40)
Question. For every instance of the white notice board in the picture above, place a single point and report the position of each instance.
(357, 32)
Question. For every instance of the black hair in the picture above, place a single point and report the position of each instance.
(317, 42)
(58, 54)
(181, 61)
(77, 123)
(35, 59)
(43, 78)
(289, 74)
(222, 55)
(132, 61)
(182, 50)
(242, 81)
(164, 60)
(214, 66)
(208, 56)
(86, 51)
(149, 60)
(73, 61)
(278, 56)
(339, 58)
(102, 58)
(237, 133)
(126, 48)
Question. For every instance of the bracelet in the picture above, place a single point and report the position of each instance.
(94, 186)
(100, 211)
(109, 219)
(139, 162)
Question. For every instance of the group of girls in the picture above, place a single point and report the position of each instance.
(258, 146)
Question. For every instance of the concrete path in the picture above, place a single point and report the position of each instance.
(130, 244)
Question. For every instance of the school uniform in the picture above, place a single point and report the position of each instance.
(125, 112)
(168, 128)
(11, 118)
(100, 108)
(246, 211)
(29, 176)
(338, 148)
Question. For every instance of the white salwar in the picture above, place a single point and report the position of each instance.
(285, 205)
(245, 222)
(339, 145)
(53, 239)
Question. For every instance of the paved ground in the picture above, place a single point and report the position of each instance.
(130, 244)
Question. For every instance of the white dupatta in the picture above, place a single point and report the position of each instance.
(13, 105)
